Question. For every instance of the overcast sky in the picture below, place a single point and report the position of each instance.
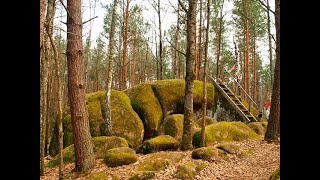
(168, 18)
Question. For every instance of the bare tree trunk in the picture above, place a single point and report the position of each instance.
(111, 55)
(97, 69)
(255, 89)
(273, 129)
(204, 103)
(200, 44)
(133, 67)
(80, 124)
(60, 134)
(270, 44)
(125, 48)
(247, 50)
(43, 4)
(43, 112)
(195, 49)
(186, 143)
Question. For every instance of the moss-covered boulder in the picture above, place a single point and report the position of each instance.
(173, 126)
(159, 143)
(147, 106)
(258, 127)
(188, 170)
(225, 132)
(120, 156)
(275, 175)
(102, 144)
(170, 94)
(68, 157)
(206, 153)
(142, 175)
(125, 121)
(159, 161)
(208, 120)
(229, 148)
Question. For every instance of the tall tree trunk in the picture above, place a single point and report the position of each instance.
(111, 55)
(254, 64)
(49, 89)
(43, 4)
(160, 42)
(273, 129)
(134, 55)
(60, 132)
(270, 45)
(204, 103)
(43, 112)
(80, 123)
(247, 50)
(97, 69)
(186, 142)
(200, 44)
(195, 49)
(125, 48)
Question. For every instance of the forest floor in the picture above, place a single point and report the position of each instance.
(259, 165)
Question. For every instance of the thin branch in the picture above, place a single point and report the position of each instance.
(175, 48)
(182, 5)
(65, 7)
(266, 7)
(89, 20)
(63, 22)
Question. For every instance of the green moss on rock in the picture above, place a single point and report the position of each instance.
(125, 121)
(159, 161)
(208, 120)
(206, 153)
(68, 157)
(224, 132)
(275, 175)
(159, 143)
(229, 148)
(147, 106)
(170, 94)
(173, 126)
(120, 156)
(103, 143)
(142, 175)
(188, 170)
(258, 127)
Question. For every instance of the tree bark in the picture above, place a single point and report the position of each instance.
(43, 4)
(111, 55)
(186, 143)
(59, 87)
(270, 45)
(80, 124)
(273, 129)
(204, 103)
(160, 43)
(200, 44)
(125, 48)
(247, 51)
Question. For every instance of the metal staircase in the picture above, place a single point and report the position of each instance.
(234, 101)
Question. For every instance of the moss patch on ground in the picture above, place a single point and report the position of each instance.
(170, 94)
(142, 175)
(159, 161)
(275, 175)
(159, 143)
(224, 132)
(190, 169)
(208, 120)
(147, 106)
(173, 126)
(258, 127)
(120, 156)
(103, 143)
(206, 153)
